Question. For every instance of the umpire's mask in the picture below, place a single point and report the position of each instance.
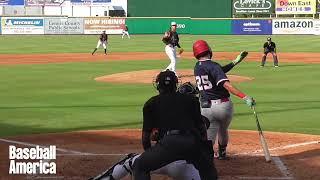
(166, 82)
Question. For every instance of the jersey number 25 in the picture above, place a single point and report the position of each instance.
(203, 82)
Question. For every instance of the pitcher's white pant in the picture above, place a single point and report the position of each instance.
(172, 54)
(220, 116)
(125, 33)
(178, 170)
(103, 43)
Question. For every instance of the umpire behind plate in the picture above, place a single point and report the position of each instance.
(178, 120)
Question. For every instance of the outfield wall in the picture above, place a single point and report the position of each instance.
(180, 8)
(194, 26)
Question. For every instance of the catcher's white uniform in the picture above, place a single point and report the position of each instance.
(178, 170)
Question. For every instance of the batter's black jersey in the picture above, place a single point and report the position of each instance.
(269, 46)
(172, 111)
(210, 79)
(103, 37)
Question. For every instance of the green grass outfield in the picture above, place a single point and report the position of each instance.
(64, 97)
(150, 43)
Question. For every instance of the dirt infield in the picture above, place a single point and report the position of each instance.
(83, 154)
(147, 76)
(12, 59)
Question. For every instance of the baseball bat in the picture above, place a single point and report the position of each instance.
(262, 138)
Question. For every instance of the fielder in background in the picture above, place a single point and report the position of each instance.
(214, 87)
(125, 32)
(171, 39)
(103, 40)
(269, 47)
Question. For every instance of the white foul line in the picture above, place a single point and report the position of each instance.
(284, 169)
(280, 147)
(268, 178)
(34, 145)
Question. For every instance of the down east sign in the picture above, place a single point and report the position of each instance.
(253, 6)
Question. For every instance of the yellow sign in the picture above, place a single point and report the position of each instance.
(296, 6)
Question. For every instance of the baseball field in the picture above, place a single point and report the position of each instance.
(54, 92)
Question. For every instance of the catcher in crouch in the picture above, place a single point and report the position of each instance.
(179, 170)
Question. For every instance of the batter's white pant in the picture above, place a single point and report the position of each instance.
(103, 43)
(125, 33)
(220, 115)
(178, 170)
(172, 54)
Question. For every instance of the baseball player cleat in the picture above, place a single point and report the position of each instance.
(107, 175)
(222, 153)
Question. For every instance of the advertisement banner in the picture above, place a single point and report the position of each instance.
(253, 7)
(44, 2)
(89, 2)
(296, 6)
(252, 27)
(12, 2)
(63, 26)
(292, 26)
(110, 25)
(316, 26)
(22, 25)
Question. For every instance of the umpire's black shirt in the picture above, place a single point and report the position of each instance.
(173, 111)
(269, 46)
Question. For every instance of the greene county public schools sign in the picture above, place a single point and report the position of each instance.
(253, 6)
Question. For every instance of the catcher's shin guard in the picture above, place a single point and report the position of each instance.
(108, 173)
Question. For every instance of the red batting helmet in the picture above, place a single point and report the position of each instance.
(201, 48)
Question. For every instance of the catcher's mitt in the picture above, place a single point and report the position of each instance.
(188, 88)
(180, 51)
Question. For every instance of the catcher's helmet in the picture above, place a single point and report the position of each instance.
(188, 88)
(269, 39)
(201, 48)
(166, 81)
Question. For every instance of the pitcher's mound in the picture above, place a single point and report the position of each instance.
(148, 76)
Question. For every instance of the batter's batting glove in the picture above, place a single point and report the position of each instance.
(240, 57)
(249, 101)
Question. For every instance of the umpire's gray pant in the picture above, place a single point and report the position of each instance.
(220, 116)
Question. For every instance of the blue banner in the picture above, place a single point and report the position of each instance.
(252, 26)
(22, 25)
(100, 1)
(23, 22)
(11, 2)
(88, 2)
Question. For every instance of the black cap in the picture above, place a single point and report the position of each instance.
(166, 81)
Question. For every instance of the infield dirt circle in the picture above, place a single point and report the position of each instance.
(87, 153)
